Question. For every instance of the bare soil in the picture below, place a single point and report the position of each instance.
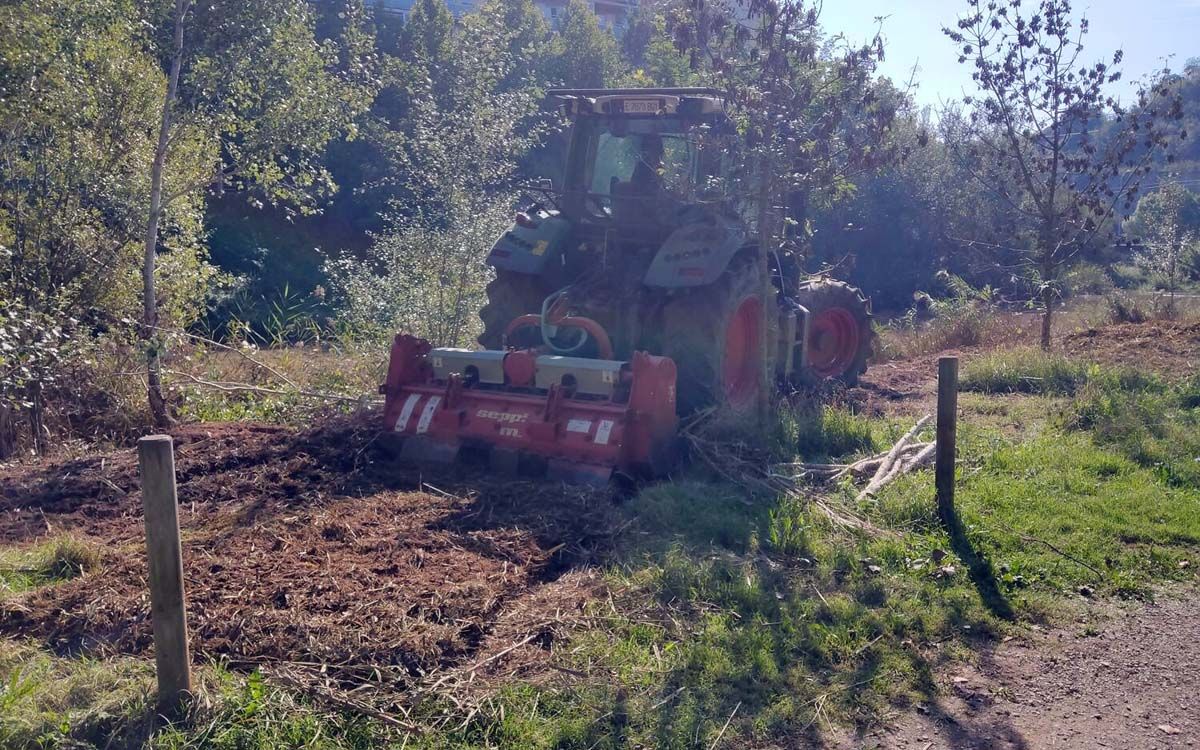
(1169, 348)
(1120, 678)
(309, 546)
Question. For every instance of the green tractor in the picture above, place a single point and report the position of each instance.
(626, 296)
(643, 237)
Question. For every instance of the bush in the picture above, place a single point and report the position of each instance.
(966, 317)
(423, 280)
(1087, 278)
(1124, 308)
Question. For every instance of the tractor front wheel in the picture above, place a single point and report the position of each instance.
(841, 338)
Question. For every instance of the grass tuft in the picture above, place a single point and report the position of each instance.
(1155, 428)
(1034, 371)
(830, 431)
(57, 560)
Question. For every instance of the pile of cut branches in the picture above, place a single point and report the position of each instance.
(744, 465)
(882, 468)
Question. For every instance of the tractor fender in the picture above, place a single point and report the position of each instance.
(528, 249)
(696, 254)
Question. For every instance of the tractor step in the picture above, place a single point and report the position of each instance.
(580, 420)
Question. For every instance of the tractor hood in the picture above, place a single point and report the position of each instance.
(528, 248)
(697, 253)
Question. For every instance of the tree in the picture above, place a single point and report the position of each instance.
(451, 154)
(583, 54)
(251, 82)
(1033, 139)
(806, 112)
(1167, 227)
(79, 97)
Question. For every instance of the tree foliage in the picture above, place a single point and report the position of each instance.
(1166, 225)
(452, 154)
(1035, 125)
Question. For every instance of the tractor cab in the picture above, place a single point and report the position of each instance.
(643, 161)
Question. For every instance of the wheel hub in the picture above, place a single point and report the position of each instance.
(833, 341)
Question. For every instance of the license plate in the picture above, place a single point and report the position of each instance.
(641, 106)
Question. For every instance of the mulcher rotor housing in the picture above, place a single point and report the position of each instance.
(628, 297)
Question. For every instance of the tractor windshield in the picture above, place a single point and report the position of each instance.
(648, 164)
(634, 167)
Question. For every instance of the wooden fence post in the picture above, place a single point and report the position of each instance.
(156, 458)
(947, 427)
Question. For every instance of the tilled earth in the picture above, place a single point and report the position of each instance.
(309, 546)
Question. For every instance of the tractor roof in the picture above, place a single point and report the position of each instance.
(646, 102)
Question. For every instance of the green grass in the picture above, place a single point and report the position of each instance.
(24, 568)
(828, 432)
(757, 608)
(1158, 428)
(48, 701)
(1033, 371)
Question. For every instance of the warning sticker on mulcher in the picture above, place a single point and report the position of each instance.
(579, 425)
(427, 414)
(405, 413)
(603, 431)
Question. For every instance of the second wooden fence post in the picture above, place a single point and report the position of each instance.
(156, 458)
(947, 428)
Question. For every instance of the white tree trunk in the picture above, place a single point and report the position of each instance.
(158, 404)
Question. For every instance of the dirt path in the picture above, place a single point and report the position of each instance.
(1133, 684)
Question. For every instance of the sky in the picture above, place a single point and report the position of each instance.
(1147, 30)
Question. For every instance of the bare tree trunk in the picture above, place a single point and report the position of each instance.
(158, 404)
(767, 332)
(1047, 314)
(37, 422)
(8, 435)
(1171, 282)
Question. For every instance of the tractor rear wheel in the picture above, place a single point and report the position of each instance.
(841, 338)
(714, 334)
(510, 295)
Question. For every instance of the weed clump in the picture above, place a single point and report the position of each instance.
(1023, 370)
(1030, 370)
(58, 560)
(831, 431)
(70, 558)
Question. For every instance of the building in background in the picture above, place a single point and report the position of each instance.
(613, 14)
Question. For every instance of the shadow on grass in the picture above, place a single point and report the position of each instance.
(978, 566)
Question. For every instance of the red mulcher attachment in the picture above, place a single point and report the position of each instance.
(574, 418)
